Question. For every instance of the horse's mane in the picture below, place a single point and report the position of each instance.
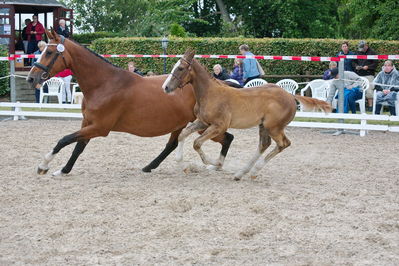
(96, 54)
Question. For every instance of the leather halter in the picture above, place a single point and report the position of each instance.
(47, 69)
(179, 79)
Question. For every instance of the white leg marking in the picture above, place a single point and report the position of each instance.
(58, 173)
(47, 159)
(248, 167)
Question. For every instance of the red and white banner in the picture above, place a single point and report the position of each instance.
(260, 57)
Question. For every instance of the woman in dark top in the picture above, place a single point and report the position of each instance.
(62, 29)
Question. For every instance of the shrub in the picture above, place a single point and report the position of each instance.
(265, 46)
(4, 71)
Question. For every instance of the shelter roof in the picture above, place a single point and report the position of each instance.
(33, 6)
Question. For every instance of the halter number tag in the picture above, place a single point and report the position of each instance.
(60, 48)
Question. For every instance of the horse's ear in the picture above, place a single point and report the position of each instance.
(48, 34)
(56, 37)
(189, 54)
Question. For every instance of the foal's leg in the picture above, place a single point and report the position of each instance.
(191, 128)
(264, 143)
(282, 142)
(225, 140)
(170, 146)
(209, 133)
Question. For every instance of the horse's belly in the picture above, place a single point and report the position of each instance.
(245, 122)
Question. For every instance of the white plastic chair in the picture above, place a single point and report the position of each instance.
(319, 88)
(55, 86)
(255, 83)
(289, 85)
(77, 96)
(365, 85)
(233, 81)
(385, 103)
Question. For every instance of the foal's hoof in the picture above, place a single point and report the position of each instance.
(42, 171)
(237, 178)
(146, 169)
(253, 177)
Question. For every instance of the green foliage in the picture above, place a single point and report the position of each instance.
(88, 38)
(369, 19)
(265, 46)
(177, 31)
(4, 71)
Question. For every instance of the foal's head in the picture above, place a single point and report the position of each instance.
(54, 58)
(180, 74)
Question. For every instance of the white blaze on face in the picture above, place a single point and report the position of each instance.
(170, 75)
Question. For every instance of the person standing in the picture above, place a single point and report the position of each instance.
(62, 29)
(250, 65)
(25, 35)
(34, 31)
(345, 51)
(366, 68)
(66, 76)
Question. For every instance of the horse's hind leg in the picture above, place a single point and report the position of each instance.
(264, 143)
(170, 146)
(282, 142)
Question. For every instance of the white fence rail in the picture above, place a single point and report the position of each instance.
(16, 112)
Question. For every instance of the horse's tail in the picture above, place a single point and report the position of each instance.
(312, 103)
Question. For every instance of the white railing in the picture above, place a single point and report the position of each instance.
(364, 126)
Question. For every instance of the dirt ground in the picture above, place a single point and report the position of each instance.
(325, 200)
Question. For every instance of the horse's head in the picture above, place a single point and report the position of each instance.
(54, 58)
(180, 74)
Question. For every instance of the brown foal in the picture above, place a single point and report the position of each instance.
(115, 100)
(220, 107)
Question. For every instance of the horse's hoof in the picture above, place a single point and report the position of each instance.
(237, 178)
(146, 169)
(58, 173)
(214, 167)
(42, 171)
(253, 177)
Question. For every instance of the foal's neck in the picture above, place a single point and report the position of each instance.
(202, 82)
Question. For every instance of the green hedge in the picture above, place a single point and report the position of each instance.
(266, 46)
(88, 38)
(4, 71)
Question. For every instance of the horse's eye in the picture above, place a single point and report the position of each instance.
(49, 52)
(180, 68)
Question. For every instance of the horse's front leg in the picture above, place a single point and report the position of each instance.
(197, 125)
(211, 132)
(82, 137)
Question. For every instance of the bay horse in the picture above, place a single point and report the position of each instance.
(115, 100)
(220, 107)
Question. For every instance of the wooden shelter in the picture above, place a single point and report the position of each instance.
(11, 17)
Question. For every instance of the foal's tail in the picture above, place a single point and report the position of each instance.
(312, 103)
